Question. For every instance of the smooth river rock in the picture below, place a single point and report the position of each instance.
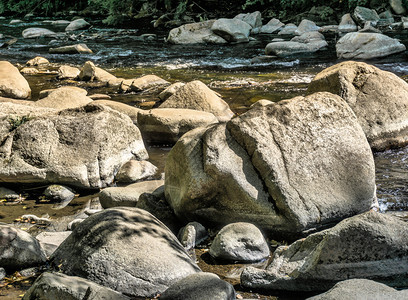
(194, 33)
(83, 147)
(368, 246)
(367, 45)
(232, 30)
(196, 95)
(126, 249)
(12, 83)
(285, 167)
(53, 286)
(378, 98)
(18, 249)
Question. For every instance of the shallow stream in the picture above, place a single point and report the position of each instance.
(227, 69)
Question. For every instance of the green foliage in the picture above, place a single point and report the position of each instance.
(17, 121)
(39, 6)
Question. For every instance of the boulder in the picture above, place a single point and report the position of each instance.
(194, 33)
(12, 83)
(128, 195)
(397, 7)
(131, 111)
(71, 49)
(53, 285)
(126, 249)
(378, 98)
(37, 61)
(364, 45)
(290, 48)
(347, 24)
(241, 242)
(170, 91)
(368, 246)
(135, 170)
(306, 26)
(90, 72)
(64, 97)
(286, 167)
(288, 29)
(272, 26)
(81, 147)
(77, 25)
(363, 14)
(253, 19)
(59, 194)
(18, 249)
(167, 125)
(361, 289)
(200, 286)
(232, 30)
(8, 194)
(50, 241)
(68, 72)
(142, 83)
(192, 234)
(33, 33)
(197, 96)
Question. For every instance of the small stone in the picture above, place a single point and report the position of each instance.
(192, 234)
(62, 195)
(77, 25)
(240, 242)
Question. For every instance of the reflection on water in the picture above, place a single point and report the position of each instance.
(392, 179)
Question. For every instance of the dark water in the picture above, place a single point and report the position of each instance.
(228, 69)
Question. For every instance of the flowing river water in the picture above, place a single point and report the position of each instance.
(228, 69)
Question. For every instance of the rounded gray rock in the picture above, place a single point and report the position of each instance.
(200, 286)
(126, 249)
(240, 242)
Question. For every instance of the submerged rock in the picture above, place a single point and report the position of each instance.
(81, 147)
(18, 249)
(365, 45)
(196, 95)
(378, 98)
(71, 49)
(241, 241)
(286, 167)
(52, 286)
(33, 33)
(371, 246)
(126, 249)
(12, 83)
(203, 286)
(361, 289)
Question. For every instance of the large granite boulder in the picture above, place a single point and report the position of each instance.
(196, 95)
(371, 245)
(167, 125)
(273, 26)
(286, 167)
(83, 147)
(126, 249)
(12, 83)
(361, 289)
(254, 19)
(18, 249)
(64, 97)
(232, 30)
(53, 285)
(378, 98)
(194, 33)
(367, 45)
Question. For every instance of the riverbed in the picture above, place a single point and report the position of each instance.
(230, 70)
